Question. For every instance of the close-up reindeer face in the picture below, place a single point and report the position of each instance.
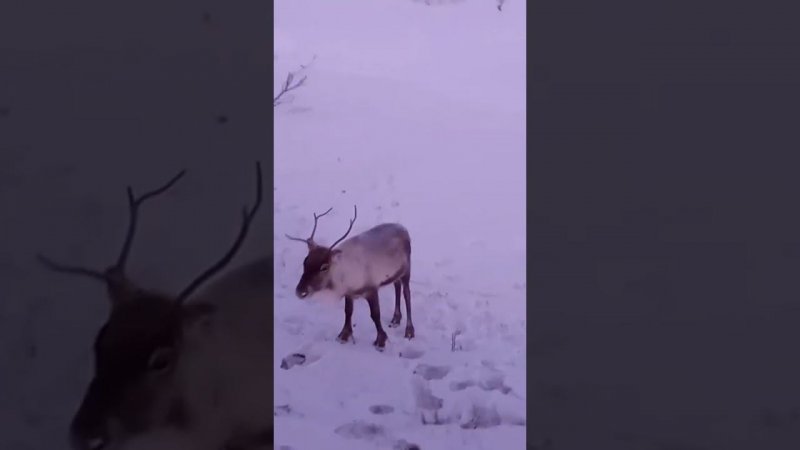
(316, 271)
(319, 261)
(136, 384)
(135, 354)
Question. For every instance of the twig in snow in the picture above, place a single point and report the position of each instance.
(290, 84)
(304, 66)
(453, 346)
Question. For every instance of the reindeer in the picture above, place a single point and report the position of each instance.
(359, 268)
(165, 365)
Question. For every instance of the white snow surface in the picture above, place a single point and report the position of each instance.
(416, 114)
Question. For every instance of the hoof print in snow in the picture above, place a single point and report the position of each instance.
(286, 411)
(494, 383)
(481, 417)
(295, 359)
(381, 409)
(411, 353)
(461, 385)
(429, 372)
(359, 430)
(403, 444)
(283, 410)
(427, 402)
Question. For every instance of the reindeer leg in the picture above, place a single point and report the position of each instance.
(407, 294)
(375, 314)
(347, 329)
(397, 314)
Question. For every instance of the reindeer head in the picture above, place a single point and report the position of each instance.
(135, 387)
(316, 265)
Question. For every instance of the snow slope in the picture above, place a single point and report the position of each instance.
(415, 113)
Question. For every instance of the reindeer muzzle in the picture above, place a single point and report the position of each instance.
(89, 430)
(94, 438)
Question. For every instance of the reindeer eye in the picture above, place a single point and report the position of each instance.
(323, 268)
(160, 360)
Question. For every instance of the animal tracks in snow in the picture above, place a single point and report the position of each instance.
(295, 359)
(402, 444)
(286, 411)
(470, 395)
(412, 353)
(461, 385)
(463, 389)
(359, 429)
(429, 372)
(381, 409)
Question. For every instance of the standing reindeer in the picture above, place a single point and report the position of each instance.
(164, 365)
(359, 268)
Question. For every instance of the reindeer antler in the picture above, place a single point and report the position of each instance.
(310, 240)
(352, 221)
(70, 270)
(111, 274)
(133, 211)
(247, 218)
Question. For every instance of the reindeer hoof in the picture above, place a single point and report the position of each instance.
(380, 341)
(409, 333)
(344, 336)
(395, 322)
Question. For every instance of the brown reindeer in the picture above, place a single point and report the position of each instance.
(161, 363)
(359, 267)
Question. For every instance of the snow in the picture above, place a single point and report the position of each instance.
(424, 105)
(416, 114)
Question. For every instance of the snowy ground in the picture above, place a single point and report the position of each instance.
(415, 113)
